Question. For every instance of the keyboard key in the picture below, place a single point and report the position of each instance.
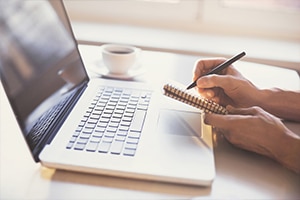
(101, 105)
(82, 140)
(127, 119)
(116, 147)
(70, 145)
(91, 125)
(125, 124)
(132, 134)
(111, 129)
(138, 120)
(130, 107)
(76, 133)
(109, 134)
(73, 139)
(98, 134)
(81, 124)
(132, 140)
(95, 139)
(119, 112)
(122, 132)
(92, 146)
(79, 146)
(104, 120)
(110, 107)
(129, 152)
(123, 102)
(142, 107)
(116, 115)
(113, 124)
(108, 139)
(115, 120)
(87, 130)
(85, 135)
(120, 138)
(127, 114)
(131, 146)
(104, 147)
(123, 128)
(129, 110)
(107, 115)
(95, 117)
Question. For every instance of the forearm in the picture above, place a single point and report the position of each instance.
(283, 104)
(289, 151)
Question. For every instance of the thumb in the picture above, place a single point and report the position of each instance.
(219, 121)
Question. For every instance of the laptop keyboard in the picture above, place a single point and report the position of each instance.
(113, 122)
(44, 123)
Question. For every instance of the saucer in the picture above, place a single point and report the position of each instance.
(100, 69)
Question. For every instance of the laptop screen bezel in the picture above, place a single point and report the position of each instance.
(59, 8)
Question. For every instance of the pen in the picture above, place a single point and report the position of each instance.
(219, 68)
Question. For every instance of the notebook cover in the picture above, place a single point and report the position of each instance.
(177, 92)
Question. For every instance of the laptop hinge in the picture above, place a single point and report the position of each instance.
(47, 126)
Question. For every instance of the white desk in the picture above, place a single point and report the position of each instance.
(240, 174)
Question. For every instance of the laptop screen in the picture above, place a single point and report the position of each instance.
(39, 60)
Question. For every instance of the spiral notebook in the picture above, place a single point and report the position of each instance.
(176, 91)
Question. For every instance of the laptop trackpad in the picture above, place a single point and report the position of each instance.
(179, 123)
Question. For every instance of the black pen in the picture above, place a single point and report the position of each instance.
(219, 68)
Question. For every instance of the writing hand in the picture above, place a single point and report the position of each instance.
(227, 88)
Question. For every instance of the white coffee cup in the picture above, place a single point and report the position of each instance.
(119, 58)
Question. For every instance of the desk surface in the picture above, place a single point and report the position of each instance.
(239, 174)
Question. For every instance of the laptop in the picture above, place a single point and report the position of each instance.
(100, 126)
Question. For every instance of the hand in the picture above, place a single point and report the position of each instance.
(255, 130)
(231, 88)
(227, 88)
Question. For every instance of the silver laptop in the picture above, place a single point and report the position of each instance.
(102, 126)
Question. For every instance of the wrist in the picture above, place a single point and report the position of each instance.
(283, 104)
(261, 97)
(268, 100)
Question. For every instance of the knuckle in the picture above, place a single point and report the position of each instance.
(256, 110)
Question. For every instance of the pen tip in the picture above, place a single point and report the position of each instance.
(190, 86)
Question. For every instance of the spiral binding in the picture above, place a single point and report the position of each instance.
(208, 106)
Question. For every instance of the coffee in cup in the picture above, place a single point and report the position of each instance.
(119, 58)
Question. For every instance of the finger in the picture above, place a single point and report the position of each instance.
(243, 111)
(210, 81)
(227, 82)
(206, 93)
(213, 94)
(216, 99)
(203, 66)
(219, 121)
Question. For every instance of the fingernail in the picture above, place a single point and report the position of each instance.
(229, 107)
(206, 119)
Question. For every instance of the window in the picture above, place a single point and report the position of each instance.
(262, 18)
(267, 18)
(268, 5)
(141, 12)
